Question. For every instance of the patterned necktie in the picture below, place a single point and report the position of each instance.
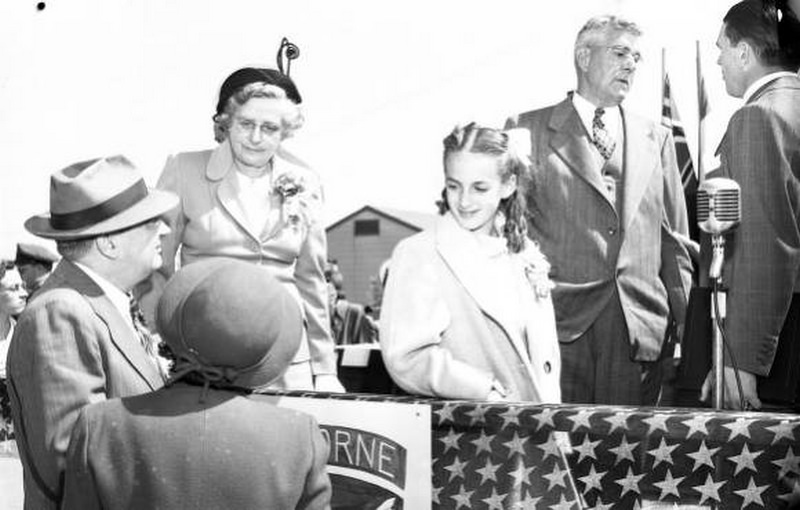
(600, 136)
(140, 325)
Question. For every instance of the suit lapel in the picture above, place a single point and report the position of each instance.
(220, 168)
(122, 335)
(571, 142)
(641, 157)
(460, 251)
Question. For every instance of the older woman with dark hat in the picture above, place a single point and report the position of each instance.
(205, 440)
(249, 199)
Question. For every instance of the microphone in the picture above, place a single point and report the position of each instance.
(718, 212)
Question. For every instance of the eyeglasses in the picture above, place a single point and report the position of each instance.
(623, 53)
(249, 125)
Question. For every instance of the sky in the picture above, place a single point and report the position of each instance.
(382, 82)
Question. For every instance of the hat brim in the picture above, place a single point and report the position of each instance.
(156, 203)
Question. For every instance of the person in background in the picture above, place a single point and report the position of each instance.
(467, 311)
(35, 263)
(759, 53)
(251, 200)
(350, 323)
(77, 341)
(607, 208)
(206, 440)
(12, 302)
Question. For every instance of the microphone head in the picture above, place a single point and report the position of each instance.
(718, 205)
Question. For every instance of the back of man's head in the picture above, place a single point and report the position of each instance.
(770, 28)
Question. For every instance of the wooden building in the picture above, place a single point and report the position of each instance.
(361, 241)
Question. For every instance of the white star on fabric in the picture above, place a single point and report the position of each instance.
(669, 486)
(703, 456)
(709, 490)
(624, 450)
(550, 448)
(526, 503)
(488, 471)
(556, 477)
(445, 413)
(478, 414)
(745, 460)
(511, 415)
(522, 474)
(581, 419)
(451, 440)
(600, 506)
(789, 463)
(495, 501)
(483, 443)
(456, 469)
(738, 428)
(592, 480)
(544, 418)
(462, 498)
(629, 483)
(657, 422)
(435, 495)
(617, 421)
(586, 449)
(563, 504)
(697, 423)
(662, 454)
(516, 445)
(752, 494)
(782, 430)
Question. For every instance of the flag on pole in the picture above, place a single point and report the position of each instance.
(702, 112)
(671, 120)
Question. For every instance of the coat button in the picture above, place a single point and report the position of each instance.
(612, 231)
(547, 367)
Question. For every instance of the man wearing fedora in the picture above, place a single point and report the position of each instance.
(77, 343)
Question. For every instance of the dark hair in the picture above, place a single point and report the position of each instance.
(758, 23)
(5, 265)
(484, 140)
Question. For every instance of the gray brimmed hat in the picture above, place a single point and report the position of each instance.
(98, 197)
(229, 322)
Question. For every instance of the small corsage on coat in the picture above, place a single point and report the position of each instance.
(537, 270)
(297, 199)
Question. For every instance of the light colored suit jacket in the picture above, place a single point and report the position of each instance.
(761, 151)
(210, 222)
(175, 449)
(449, 324)
(593, 248)
(71, 348)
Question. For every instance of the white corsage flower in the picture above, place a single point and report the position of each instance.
(296, 199)
(537, 270)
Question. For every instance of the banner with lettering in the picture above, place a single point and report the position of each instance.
(380, 452)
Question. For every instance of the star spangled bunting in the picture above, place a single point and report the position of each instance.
(519, 457)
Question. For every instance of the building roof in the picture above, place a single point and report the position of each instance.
(412, 219)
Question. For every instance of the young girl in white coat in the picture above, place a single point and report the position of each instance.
(467, 312)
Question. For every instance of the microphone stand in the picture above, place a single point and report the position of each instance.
(717, 317)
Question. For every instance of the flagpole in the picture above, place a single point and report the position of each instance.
(700, 116)
(663, 69)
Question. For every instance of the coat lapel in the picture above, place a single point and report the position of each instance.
(641, 157)
(571, 142)
(220, 169)
(460, 251)
(122, 335)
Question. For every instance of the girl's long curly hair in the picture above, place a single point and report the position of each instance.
(495, 142)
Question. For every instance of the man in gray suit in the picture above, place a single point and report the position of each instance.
(77, 342)
(606, 205)
(759, 53)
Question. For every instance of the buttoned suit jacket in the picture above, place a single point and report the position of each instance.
(186, 447)
(447, 330)
(71, 348)
(592, 246)
(760, 150)
(210, 222)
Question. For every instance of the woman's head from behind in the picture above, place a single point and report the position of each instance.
(484, 183)
(256, 112)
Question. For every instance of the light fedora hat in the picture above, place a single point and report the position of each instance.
(97, 197)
